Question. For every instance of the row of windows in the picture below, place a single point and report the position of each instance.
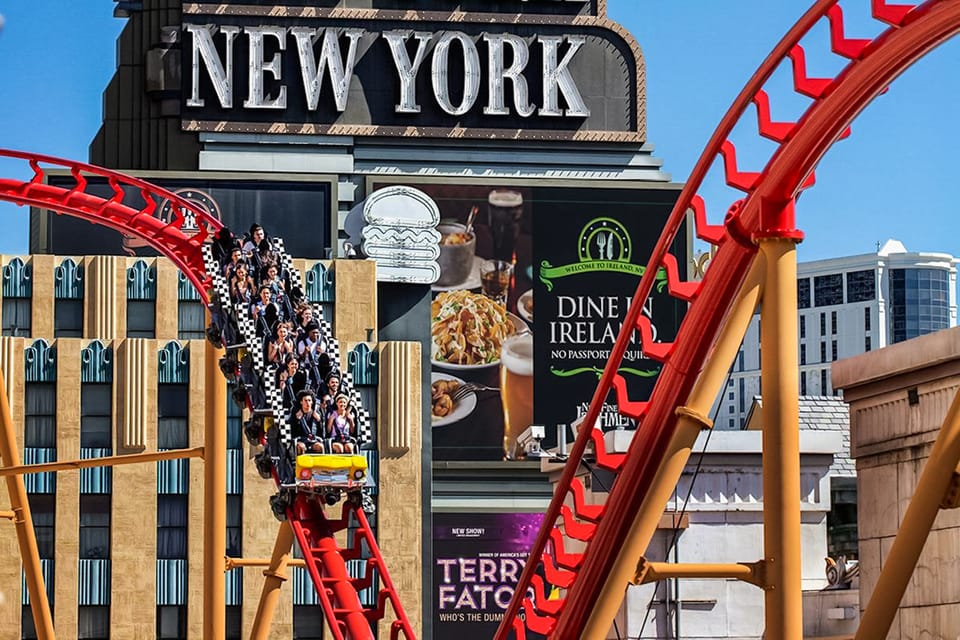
(93, 622)
(861, 286)
(68, 319)
(833, 323)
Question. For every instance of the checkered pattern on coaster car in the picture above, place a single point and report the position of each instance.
(246, 324)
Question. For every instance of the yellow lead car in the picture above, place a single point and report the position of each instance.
(341, 471)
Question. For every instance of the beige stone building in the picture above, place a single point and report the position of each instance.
(898, 399)
(105, 356)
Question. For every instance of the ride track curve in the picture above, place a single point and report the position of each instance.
(314, 530)
(609, 561)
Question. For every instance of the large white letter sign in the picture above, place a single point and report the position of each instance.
(441, 73)
(330, 58)
(405, 69)
(521, 56)
(259, 67)
(557, 76)
(203, 48)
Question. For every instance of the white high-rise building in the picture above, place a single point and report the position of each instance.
(847, 306)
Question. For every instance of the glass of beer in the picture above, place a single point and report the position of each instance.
(516, 390)
(495, 276)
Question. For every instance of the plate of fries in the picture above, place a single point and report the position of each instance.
(467, 330)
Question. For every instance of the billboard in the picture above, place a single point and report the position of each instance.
(477, 562)
(298, 212)
(578, 253)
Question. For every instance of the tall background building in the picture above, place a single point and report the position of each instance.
(848, 306)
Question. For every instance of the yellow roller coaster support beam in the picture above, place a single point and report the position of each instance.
(692, 419)
(932, 488)
(26, 538)
(240, 563)
(783, 596)
(111, 461)
(214, 498)
(655, 571)
(274, 576)
(8, 515)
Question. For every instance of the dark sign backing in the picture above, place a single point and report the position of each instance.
(298, 212)
(505, 7)
(599, 99)
(588, 261)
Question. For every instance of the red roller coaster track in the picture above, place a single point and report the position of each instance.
(835, 102)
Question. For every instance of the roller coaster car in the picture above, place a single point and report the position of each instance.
(318, 471)
(256, 427)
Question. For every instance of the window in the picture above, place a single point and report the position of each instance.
(866, 344)
(308, 621)
(94, 526)
(96, 416)
(171, 526)
(234, 526)
(803, 354)
(861, 286)
(803, 293)
(191, 320)
(730, 396)
(824, 391)
(234, 622)
(234, 425)
(803, 326)
(93, 622)
(40, 415)
(823, 324)
(173, 423)
(833, 322)
(828, 290)
(171, 621)
(28, 631)
(141, 300)
(740, 360)
(68, 300)
(823, 352)
(17, 317)
(17, 292)
(68, 318)
(866, 319)
(141, 318)
(803, 383)
(833, 350)
(43, 508)
(743, 395)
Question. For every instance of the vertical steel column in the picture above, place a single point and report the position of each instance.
(274, 577)
(917, 522)
(692, 420)
(23, 521)
(781, 437)
(214, 498)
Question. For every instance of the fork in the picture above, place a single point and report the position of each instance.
(467, 388)
(601, 241)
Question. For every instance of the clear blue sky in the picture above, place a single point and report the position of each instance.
(893, 178)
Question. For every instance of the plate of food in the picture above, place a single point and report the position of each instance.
(467, 330)
(445, 410)
(525, 305)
